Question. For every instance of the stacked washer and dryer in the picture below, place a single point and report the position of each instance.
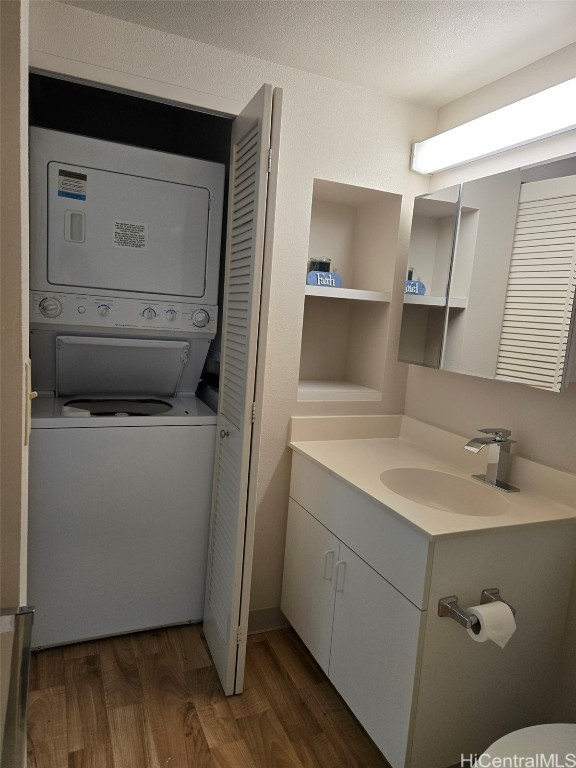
(125, 255)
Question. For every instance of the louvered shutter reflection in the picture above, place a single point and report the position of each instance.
(540, 295)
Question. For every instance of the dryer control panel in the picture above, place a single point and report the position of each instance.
(114, 312)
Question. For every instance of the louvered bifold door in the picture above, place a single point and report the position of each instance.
(537, 322)
(247, 206)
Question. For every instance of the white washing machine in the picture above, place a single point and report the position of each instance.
(125, 248)
(118, 522)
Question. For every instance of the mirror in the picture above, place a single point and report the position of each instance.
(481, 263)
(499, 304)
(432, 239)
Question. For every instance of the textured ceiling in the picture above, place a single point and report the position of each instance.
(427, 51)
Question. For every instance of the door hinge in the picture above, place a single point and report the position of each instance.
(239, 636)
(269, 160)
(253, 412)
(30, 395)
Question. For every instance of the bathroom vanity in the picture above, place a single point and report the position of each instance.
(366, 566)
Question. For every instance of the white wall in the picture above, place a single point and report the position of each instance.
(329, 130)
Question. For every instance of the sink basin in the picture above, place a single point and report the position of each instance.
(442, 490)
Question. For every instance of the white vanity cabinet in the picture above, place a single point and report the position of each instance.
(361, 588)
(359, 628)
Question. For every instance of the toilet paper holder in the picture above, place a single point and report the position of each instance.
(448, 607)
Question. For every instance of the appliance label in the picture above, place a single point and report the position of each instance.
(129, 234)
(72, 184)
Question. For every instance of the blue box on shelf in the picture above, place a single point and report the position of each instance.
(415, 287)
(324, 279)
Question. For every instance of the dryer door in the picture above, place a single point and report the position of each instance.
(121, 232)
(114, 219)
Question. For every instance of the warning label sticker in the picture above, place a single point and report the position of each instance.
(129, 234)
(72, 184)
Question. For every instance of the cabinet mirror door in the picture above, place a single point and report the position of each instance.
(499, 303)
(481, 263)
(432, 239)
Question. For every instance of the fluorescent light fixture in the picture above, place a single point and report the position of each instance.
(545, 114)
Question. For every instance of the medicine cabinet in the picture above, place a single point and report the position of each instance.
(344, 329)
(432, 237)
(497, 257)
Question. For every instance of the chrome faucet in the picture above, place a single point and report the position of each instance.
(498, 456)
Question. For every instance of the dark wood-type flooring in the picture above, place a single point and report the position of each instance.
(153, 700)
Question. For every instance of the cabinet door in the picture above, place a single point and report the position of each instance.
(432, 239)
(374, 653)
(307, 589)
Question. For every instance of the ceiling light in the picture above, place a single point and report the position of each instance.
(545, 114)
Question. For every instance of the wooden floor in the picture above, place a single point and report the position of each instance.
(153, 700)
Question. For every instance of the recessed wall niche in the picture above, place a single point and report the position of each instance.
(344, 329)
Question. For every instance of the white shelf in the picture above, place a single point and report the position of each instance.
(347, 293)
(325, 391)
(435, 301)
(457, 303)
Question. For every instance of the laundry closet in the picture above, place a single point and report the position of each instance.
(127, 222)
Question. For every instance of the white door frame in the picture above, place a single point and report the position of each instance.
(13, 301)
(13, 319)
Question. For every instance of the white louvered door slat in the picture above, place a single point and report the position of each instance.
(537, 322)
(229, 555)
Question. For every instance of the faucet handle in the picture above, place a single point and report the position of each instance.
(501, 435)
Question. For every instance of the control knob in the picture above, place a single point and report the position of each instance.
(149, 313)
(103, 310)
(51, 306)
(171, 314)
(200, 318)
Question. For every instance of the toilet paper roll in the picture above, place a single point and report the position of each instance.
(496, 623)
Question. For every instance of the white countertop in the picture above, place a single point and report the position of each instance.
(360, 462)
